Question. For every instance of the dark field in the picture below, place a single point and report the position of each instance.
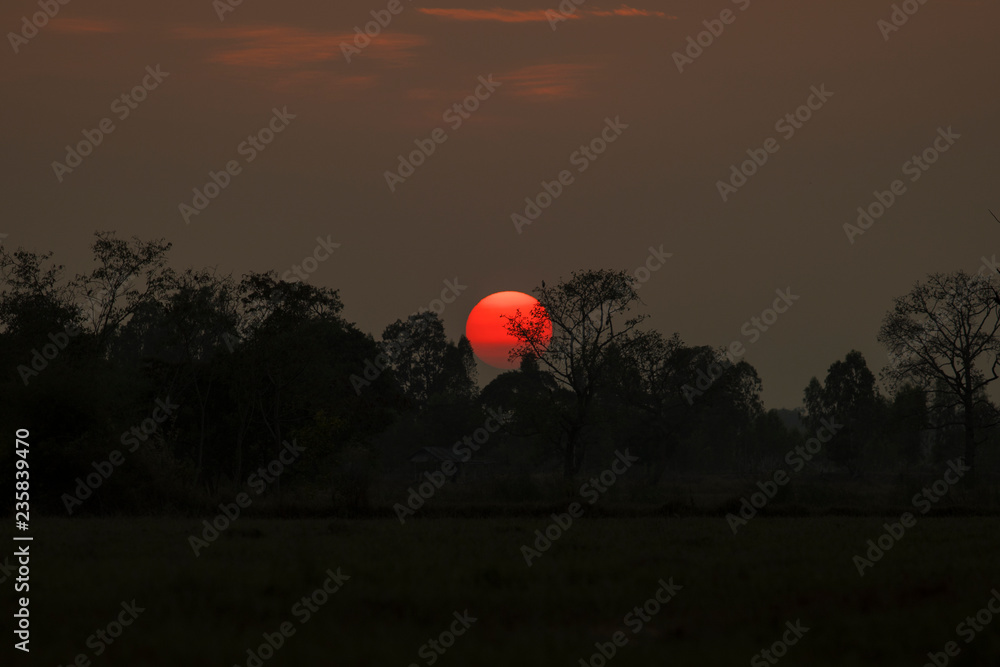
(406, 583)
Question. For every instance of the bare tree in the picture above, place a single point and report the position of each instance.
(943, 337)
(587, 318)
(109, 291)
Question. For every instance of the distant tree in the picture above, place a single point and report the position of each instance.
(533, 399)
(187, 334)
(290, 332)
(849, 397)
(767, 443)
(648, 372)
(256, 363)
(128, 275)
(458, 379)
(907, 422)
(425, 363)
(53, 380)
(654, 376)
(729, 409)
(33, 300)
(589, 315)
(945, 414)
(432, 381)
(723, 412)
(943, 337)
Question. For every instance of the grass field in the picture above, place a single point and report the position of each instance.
(406, 582)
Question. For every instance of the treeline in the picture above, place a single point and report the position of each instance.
(147, 389)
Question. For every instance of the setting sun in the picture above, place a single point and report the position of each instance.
(486, 327)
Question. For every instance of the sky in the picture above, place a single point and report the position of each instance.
(642, 123)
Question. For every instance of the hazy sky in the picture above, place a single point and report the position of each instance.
(323, 175)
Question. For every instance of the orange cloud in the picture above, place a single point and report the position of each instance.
(284, 46)
(536, 15)
(549, 82)
(625, 10)
(501, 15)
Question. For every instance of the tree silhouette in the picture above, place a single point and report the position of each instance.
(944, 338)
(425, 363)
(848, 396)
(127, 276)
(589, 318)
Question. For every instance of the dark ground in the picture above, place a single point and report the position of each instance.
(407, 581)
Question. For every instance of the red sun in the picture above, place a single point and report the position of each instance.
(486, 327)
